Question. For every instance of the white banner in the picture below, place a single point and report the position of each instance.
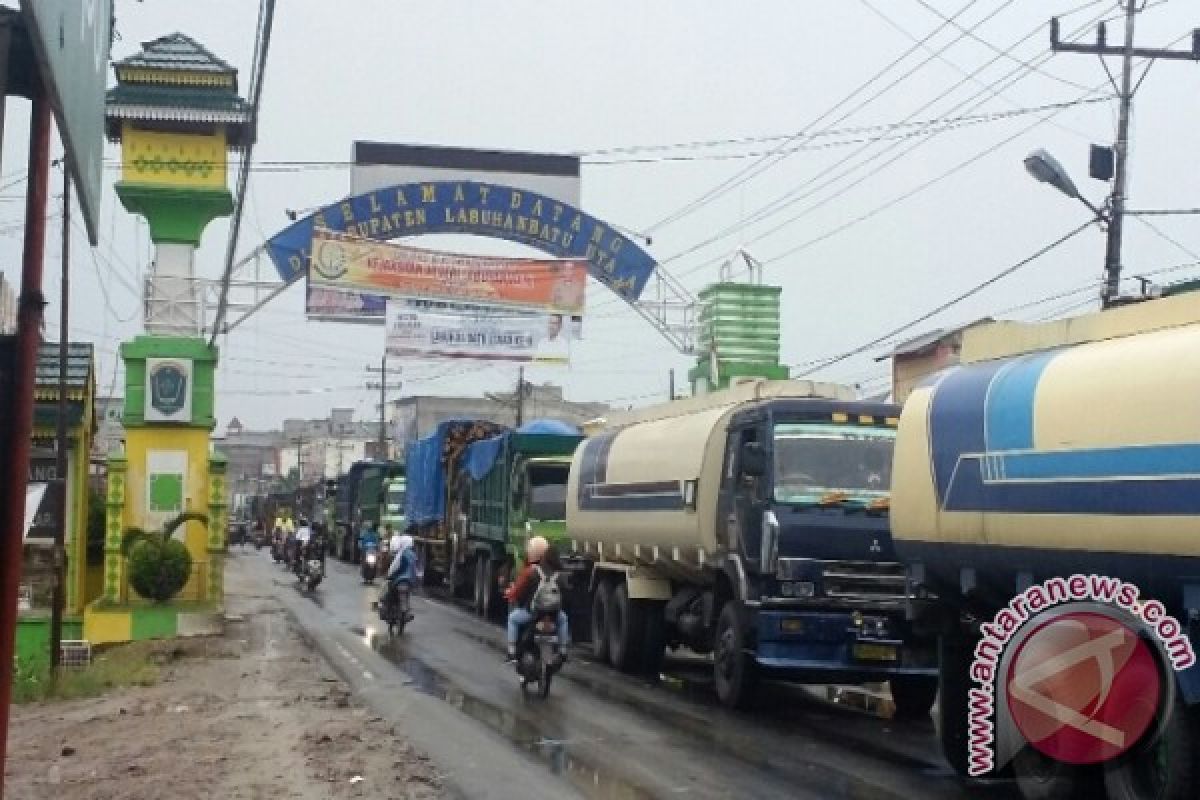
(430, 329)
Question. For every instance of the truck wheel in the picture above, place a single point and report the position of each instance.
(654, 642)
(480, 586)
(1040, 777)
(626, 627)
(601, 603)
(954, 663)
(913, 695)
(735, 672)
(491, 592)
(1167, 770)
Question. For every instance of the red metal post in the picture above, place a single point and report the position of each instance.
(29, 336)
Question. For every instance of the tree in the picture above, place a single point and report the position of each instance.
(159, 566)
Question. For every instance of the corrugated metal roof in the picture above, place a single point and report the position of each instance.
(916, 344)
(79, 365)
(176, 51)
(206, 98)
(926, 341)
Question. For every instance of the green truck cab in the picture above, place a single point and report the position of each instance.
(359, 500)
(517, 485)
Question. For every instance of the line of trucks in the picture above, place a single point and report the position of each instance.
(796, 533)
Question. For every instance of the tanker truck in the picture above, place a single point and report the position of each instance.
(752, 524)
(1049, 486)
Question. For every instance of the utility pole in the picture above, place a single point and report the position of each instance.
(520, 398)
(671, 386)
(382, 386)
(1115, 216)
(299, 442)
(59, 599)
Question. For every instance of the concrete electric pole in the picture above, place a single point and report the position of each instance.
(1126, 89)
(382, 386)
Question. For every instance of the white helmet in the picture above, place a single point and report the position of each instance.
(535, 548)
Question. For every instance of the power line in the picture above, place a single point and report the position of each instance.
(807, 189)
(1004, 273)
(762, 164)
(886, 132)
(989, 45)
(789, 198)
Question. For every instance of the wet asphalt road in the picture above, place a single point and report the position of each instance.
(600, 734)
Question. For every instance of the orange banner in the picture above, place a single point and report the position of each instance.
(366, 266)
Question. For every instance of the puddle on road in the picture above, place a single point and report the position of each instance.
(692, 680)
(551, 748)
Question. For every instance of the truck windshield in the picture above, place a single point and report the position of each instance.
(812, 459)
(548, 492)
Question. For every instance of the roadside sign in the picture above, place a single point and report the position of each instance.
(72, 39)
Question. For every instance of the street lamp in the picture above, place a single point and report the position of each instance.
(1045, 169)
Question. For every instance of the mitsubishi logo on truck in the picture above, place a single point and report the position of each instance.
(875, 546)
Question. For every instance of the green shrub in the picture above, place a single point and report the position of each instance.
(159, 568)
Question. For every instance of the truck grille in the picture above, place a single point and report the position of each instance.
(875, 580)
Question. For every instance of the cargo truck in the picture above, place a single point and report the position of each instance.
(517, 489)
(752, 524)
(1054, 450)
(436, 499)
(359, 500)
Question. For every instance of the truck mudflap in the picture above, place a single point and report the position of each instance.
(818, 647)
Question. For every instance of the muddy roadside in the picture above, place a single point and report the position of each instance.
(254, 713)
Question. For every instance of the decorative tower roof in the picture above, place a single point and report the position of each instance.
(175, 84)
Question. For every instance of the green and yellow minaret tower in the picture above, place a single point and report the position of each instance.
(176, 113)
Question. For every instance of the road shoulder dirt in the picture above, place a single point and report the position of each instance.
(254, 713)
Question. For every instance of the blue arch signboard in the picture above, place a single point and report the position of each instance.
(482, 209)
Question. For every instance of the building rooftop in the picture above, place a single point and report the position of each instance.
(176, 52)
(926, 342)
(176, 82)
(79, 366)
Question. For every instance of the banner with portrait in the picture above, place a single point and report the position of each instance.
(351, 264)
(432, 329)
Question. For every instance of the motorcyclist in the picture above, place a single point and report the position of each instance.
(403, 568)
(303, 535)
(368, 538)
(540, 561)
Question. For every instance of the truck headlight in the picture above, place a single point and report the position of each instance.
(768, 556)
(797, 589)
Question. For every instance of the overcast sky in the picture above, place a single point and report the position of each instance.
(621, 73)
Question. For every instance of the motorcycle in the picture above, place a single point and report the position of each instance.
(370, 564)
(310, 568)
(277, 548)
(538, 658)
(260, 539)
(396, 609)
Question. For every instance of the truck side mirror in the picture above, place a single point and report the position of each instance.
(754, 460)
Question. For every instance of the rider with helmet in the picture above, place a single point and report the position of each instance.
(541, 563)
(403, 568)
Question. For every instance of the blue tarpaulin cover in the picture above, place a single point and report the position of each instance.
(482, 455)
(425, 491)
